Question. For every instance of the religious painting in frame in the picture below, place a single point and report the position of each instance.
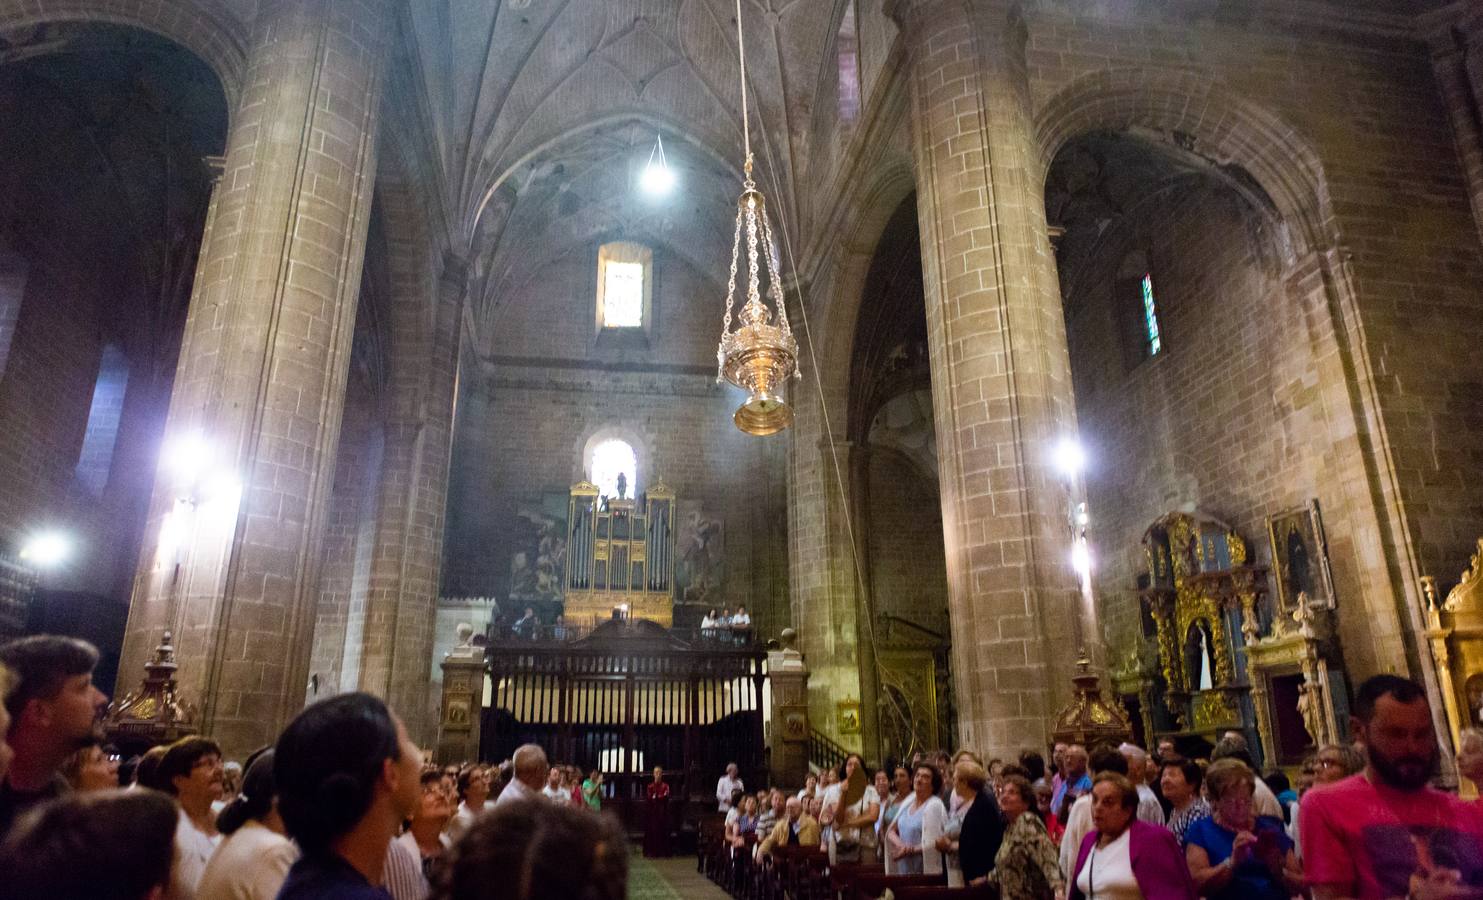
(1300, 557)
(849, 716)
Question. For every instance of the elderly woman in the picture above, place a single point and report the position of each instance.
(1123, 857)
(973, 833)
(1027, 866)
(1236, 854)
(893, 794)
(744, 824)
(912, 837)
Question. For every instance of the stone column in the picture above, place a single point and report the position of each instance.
(1001, 380)
(1457, 59)
(402, 600)
(232, 549)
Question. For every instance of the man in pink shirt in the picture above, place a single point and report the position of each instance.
(1385, 832)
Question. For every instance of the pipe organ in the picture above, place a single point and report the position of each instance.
(620, 556)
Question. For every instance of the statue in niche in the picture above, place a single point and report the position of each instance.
(1309, 709)
(622, 486)
(1199, 662)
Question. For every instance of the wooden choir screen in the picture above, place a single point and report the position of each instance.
(627, 698)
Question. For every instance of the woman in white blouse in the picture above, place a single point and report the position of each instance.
(255, 857)
(912, 837)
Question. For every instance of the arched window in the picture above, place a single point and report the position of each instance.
(609, 458)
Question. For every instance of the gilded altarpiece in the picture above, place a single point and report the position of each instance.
(1198, 581)
(1455, 632)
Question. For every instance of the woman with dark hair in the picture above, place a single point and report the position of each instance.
(912, 837)
(104, 845)
(855, 813)
(253, 861)
(347, 777)
(1123, 858)
(1027, 866)
(537, 851)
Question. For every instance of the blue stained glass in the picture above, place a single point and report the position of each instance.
(1151, 317)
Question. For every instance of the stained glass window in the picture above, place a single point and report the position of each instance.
(1151, 317)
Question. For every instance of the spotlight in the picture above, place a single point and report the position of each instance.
(47, 549)
(187, 455)
(658, 179)
(1070, 457)
(1081, 558)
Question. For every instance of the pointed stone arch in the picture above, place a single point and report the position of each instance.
(1194, 113)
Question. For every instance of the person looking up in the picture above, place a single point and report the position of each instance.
(347, 777)
(973, 832)
(191, 772)
(53, 709)
(531, 772)
(556, 789)
(1025, 868)
(592, 791)
(473, 799)
(1386, 832)
(537, 851)
(1075, 780)
(91, 769)
(425, 837)
(255, 854)
(103, 845)
(912, 837)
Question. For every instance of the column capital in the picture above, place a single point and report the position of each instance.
(909, 13)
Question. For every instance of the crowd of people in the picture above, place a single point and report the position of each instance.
(341, 807)
(344, 806)
(1120, 823)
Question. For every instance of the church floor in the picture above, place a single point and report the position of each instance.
(674, 878)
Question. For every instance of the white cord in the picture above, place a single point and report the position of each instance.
(741, 59)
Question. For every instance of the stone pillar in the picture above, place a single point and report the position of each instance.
(463, 701)
(232, 549)
(788, 735)
(1457, 59)
(1001, 379)
(401, 604)
(822, 581)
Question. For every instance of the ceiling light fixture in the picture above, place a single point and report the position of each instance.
(658, 178)
(760, 354)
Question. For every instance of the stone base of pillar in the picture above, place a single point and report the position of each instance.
(787, 735)
(458, 717)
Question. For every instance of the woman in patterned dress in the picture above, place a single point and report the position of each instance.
(1027, 866)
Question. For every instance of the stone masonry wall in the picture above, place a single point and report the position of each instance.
(525, 421)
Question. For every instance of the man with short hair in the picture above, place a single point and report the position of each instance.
(1149, 809)
(1079, 818)
(1386, 832)
(53, 709)
(110, 843)
(531, 770)
(191, 772)
(347, 776)
(1075, 781)
(726, 785)
(1263, 800)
